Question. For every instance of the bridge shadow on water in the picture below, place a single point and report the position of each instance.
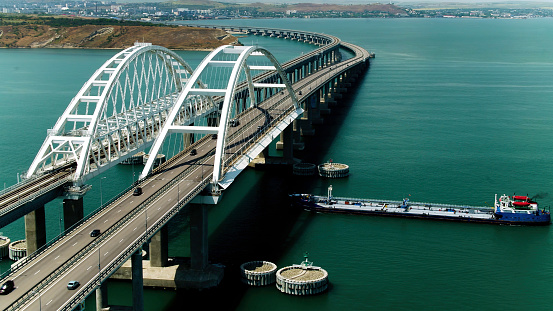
(262, 224)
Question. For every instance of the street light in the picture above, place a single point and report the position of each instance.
(39, 299)
(99, 267)
(101, 198)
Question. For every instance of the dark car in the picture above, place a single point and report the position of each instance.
(234, 122)
(193, 152)
(214, 136)
(137, 191)
(7, 287)
(73, 284)
(94, 233)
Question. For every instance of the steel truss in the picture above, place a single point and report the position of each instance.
(117, 112)
(233, 58)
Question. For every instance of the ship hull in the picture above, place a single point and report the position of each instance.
(429, 212)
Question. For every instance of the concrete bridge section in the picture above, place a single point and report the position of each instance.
(315, 77)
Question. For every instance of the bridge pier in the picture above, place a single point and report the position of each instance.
(137, 281)
(286, 144)
(159, 248)
(35, 229)
(198, 236)
(72, 212)
(102, 297)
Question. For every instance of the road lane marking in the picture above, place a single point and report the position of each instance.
(57, 257)
(121, 240)
(135, 228)
(49, 302)
(119, 211)
(75, 243)
(88, 268)
(37, 272)
(106, 220)
(106, 254)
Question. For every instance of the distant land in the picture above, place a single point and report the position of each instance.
(60, 32)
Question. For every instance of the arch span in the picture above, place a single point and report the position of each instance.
(116, 113)
(224, 95)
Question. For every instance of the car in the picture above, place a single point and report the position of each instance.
(299, 93)
(234, 122)
(7, 287)
(73, 284)
(193, 152)
(260, 128)
(137, 191)
(94, 233)
(214, 136)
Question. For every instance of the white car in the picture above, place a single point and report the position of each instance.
(73, 284)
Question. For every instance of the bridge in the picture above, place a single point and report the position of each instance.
(212, 122)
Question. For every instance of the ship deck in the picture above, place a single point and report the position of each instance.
(414, 208)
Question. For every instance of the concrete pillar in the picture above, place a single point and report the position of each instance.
(288, 144)
(35, 230)
(159, 248)
(72, 212)
(198, 237)
(137, 281)
(102, 297)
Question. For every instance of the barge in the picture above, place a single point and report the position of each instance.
(507, 210)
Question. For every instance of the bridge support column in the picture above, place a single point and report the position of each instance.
(286, 143)
(137, 281)
(72, 212)
(198, 237)
(159, 248)
(35, 230)
(102, 297)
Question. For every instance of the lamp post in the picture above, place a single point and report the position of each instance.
(39, 299)
(99, 266)
(101, 196)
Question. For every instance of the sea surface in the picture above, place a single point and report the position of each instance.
(450, 111)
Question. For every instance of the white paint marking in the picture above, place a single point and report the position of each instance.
(57, 257)
(106, 254)
(135, 228)
(121, 240)
(75, 243)
(119, 211)
(106, 220)
(37, 272)
(88, 268)
(49, 302)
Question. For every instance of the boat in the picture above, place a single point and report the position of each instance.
(507, 210)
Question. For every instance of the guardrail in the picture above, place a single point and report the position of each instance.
(8, 209)
(111, 231)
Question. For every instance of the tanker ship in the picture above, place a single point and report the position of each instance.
(507, 210)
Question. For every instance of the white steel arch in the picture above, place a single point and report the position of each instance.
(227, 93)
(116, 113)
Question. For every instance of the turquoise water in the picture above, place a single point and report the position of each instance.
(451, 111)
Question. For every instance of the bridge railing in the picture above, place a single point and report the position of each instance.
(142, 239)
(111, 231)
(20, 201)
